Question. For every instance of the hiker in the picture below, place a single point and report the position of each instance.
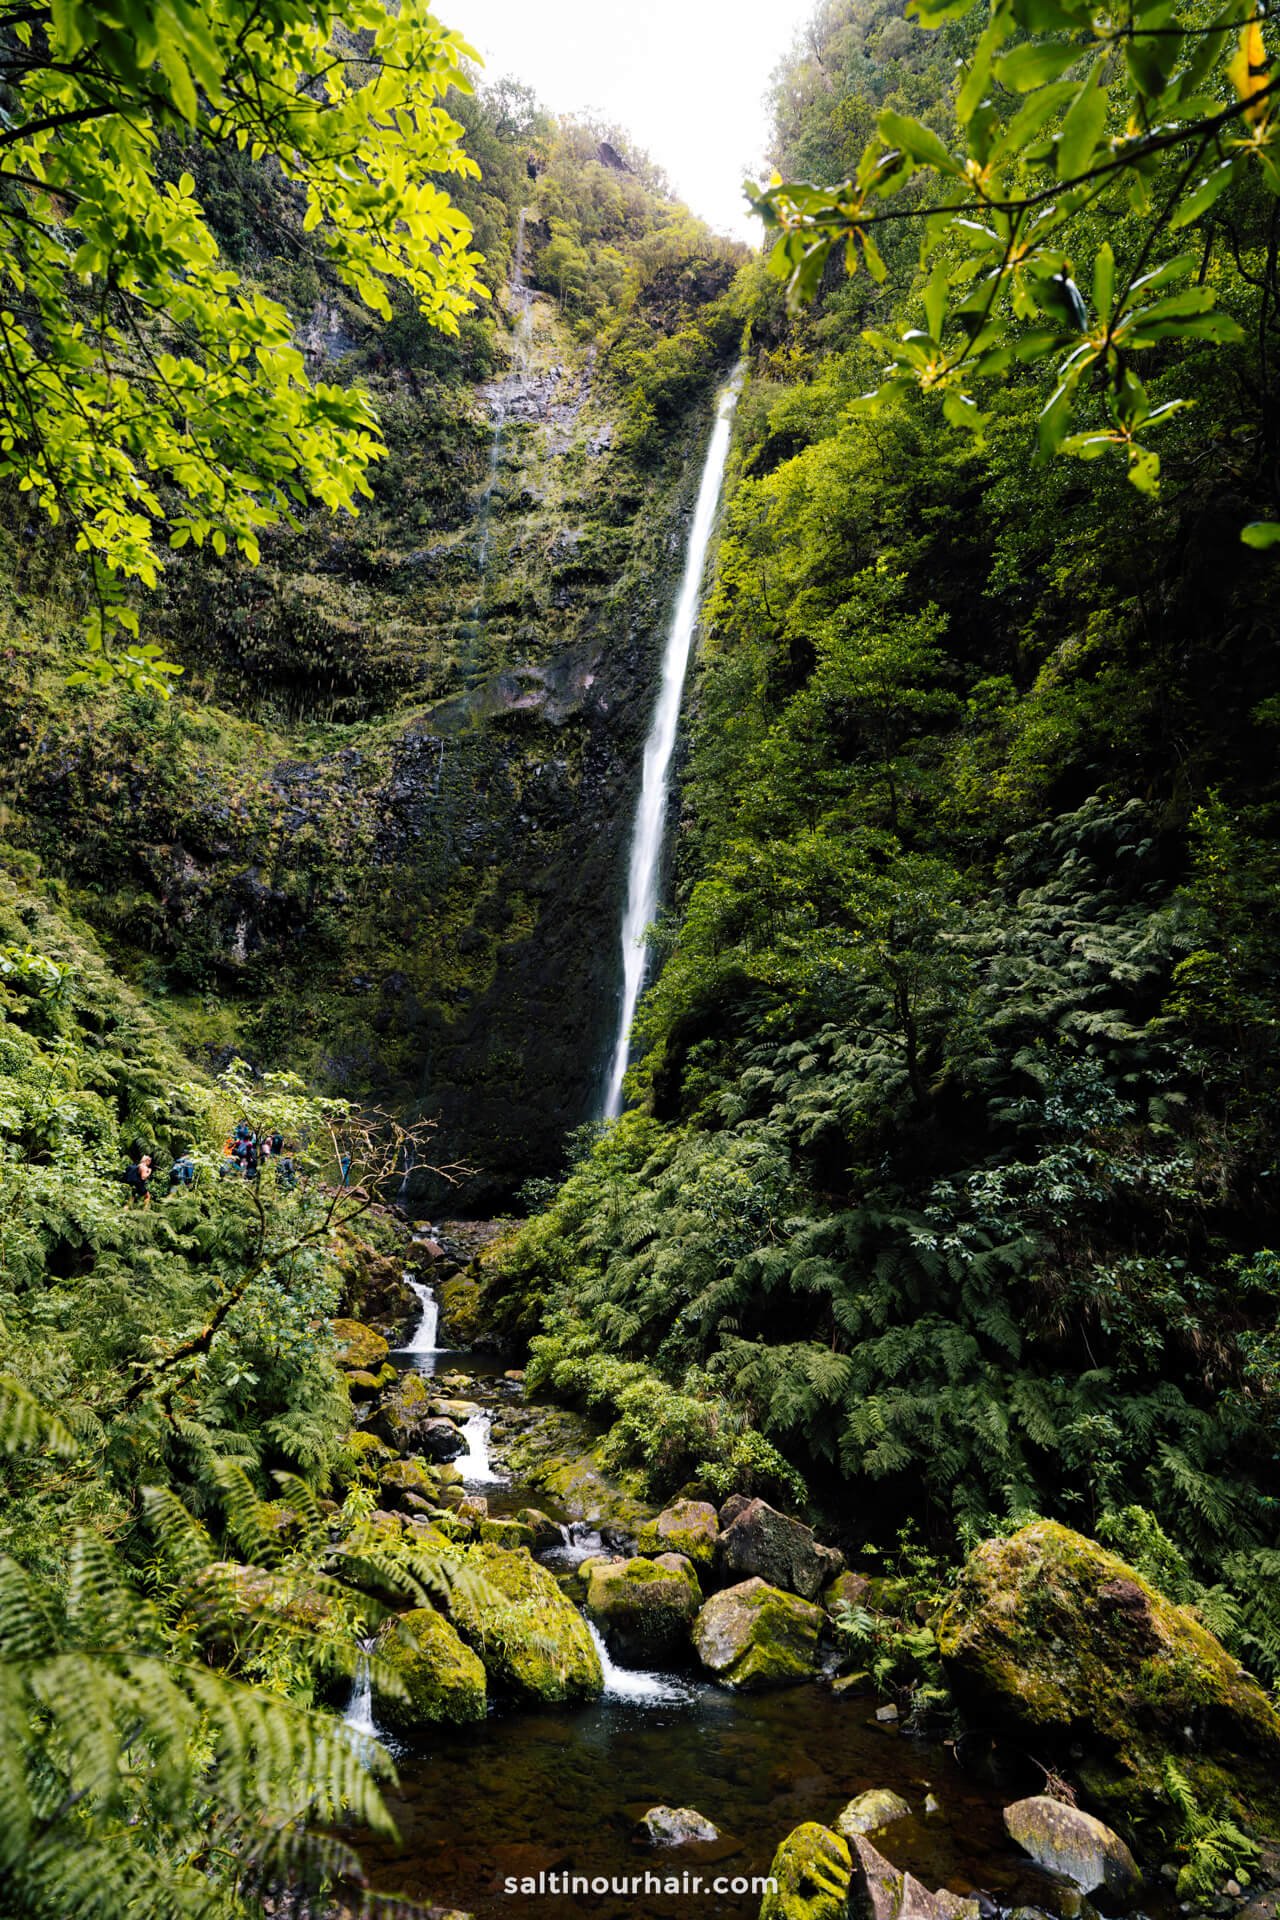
(286, 1170)
(183, 1171)
(137, 1177)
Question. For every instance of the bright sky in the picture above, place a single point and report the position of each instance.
(687, 78)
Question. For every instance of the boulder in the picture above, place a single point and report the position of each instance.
(546, 1533)
(880, 1891)
(443, 1681)
(810, 1875)
(761, 1541)
(822, 1876)
(403, 1412)
(505, 1533)
(1070, 1842)
(871, 1811)
(644, 1611)
(439, 1440)
(398, 1479)
(533, 1642)
(677, 1827)
(688, 1527)
(363, 1385)
(846, 1590)
(1050, 1637)
(753, 1635)
(456, 1410)
(732, 1507)
(359, 1347)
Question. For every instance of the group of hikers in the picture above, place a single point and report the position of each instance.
(244, 1154)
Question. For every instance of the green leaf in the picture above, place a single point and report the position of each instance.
(1083, 126)
(1203, 196)
(1035, 62)
(1261, 533)
(916, 140)
(1104, 282)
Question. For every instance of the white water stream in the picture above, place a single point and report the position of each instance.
(631, 1683)
(473, 1465)
(425, 1334)
(651, 814)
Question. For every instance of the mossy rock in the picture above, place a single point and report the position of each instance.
(359, 1347)
(689, 1527)
(363, 1385)
(644, 1611)
(534, 1643)
(546, 1532)
(754, 1635)
(401, 1478)
(444, 1682)
(1053, 1638)
(505, 1533)
(811, 1871)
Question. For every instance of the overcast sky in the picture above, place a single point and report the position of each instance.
(686, 77)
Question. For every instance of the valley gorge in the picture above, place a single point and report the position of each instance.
(638, 1084)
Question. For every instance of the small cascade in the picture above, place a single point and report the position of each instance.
(581, 1542)
(633, 1685)
(424, 1336)
(358, 1716)
(474, 1463)
(649, 833)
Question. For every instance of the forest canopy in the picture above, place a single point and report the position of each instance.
(147, 393)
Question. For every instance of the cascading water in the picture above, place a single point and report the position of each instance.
(651, 814)
(473, 1465)
(358, 1716)
(630, 1683)
(424, 1336)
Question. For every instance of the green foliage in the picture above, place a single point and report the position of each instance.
(1212, 1848)
(147, 390)
(1059, 124)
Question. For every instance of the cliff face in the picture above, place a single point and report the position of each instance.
(382, 835)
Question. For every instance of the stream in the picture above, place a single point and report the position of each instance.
(559, 1791)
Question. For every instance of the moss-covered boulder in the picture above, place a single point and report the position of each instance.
(359, 1347)
(847, 1590)
(783, 1551)
(689, 1527)
(547, 1533)
(810, 1872)
(822, 1876)
(505, 1533)
(403, 1412)
(443, 1681)
(534, 1643)
(753, 1635)
(399, 1480)
(1053, 1638)
(644, 1611)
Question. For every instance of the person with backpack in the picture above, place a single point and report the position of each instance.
(183, 1171)
(137, 1177)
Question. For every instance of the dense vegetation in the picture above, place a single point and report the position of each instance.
(950, 1190)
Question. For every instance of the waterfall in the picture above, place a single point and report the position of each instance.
(424, 1338)
(651, 813)
(629, 1683)
(358, 1716)
(474, 1463)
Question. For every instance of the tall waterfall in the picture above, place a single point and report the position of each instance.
(651, 814)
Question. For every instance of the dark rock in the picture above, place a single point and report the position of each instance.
(761, 1541)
